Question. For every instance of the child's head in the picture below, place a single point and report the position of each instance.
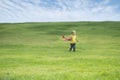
(74, 32)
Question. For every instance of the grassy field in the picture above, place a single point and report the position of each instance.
(35, 51)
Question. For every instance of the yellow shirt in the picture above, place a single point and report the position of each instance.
(73, 39)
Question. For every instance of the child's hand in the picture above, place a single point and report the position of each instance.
(77, 41)
(63, 36)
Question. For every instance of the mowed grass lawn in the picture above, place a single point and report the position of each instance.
(35, 51)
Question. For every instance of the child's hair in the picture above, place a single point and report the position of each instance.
(73, 32)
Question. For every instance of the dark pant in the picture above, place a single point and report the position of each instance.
(72, 47)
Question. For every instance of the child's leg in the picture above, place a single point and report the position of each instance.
(74, 47)
(70, 47)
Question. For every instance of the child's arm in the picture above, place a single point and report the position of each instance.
(77, 40)
(66, 38)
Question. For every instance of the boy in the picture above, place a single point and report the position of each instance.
(72, 40)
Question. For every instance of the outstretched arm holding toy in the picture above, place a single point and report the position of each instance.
(66, 38)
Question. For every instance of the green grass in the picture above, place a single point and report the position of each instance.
(35, 51)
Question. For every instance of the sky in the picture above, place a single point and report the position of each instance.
(12, 11)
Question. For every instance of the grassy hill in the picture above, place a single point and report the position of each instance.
(35, 51)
